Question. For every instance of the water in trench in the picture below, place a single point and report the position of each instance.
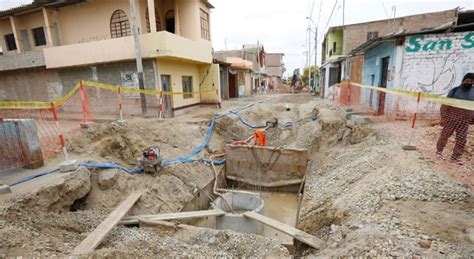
(281, 206)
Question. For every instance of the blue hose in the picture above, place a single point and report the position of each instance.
(183, 159)
(26, 179)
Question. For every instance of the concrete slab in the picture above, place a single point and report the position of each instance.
(5, 189)
(360, 120)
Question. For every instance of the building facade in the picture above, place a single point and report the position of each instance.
(49, 45)
(275, 67)
(254, 53)
(338, 62)
(427, 62)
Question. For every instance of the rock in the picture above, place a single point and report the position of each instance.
(470, 235)
(425, 244)
(108, 179)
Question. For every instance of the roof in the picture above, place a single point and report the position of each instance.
(208, 5)
(36, 5)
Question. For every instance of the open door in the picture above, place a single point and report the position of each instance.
(167, 101)
(232, 86)
(383, 84)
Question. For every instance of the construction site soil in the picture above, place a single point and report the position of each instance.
(364, 195)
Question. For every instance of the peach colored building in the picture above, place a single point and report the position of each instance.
(49, 45)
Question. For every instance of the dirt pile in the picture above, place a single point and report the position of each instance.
(356, 192)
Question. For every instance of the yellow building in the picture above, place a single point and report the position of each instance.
(49, 45)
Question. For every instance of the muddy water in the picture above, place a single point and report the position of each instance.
(280, 206)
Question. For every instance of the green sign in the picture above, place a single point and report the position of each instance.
(418, 43)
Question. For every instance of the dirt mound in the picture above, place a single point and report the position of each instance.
(356, 172)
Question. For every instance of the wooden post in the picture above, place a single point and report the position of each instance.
(418, 97)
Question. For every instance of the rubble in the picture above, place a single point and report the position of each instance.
(364, 195)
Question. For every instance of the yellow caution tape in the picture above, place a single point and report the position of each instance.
(64, 99)
(25, 105)
(61, 101)
(464, 104)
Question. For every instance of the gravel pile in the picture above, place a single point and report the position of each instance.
(349, 186)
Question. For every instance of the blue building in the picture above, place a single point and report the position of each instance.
(379, 68)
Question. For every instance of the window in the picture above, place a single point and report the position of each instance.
(372, 35)
(188, 87)
(119, 25)
(205, 25)
(158, 21)
(38, 35)
(170, 22)
(10, 41)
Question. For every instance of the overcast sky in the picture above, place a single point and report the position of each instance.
(281, 25)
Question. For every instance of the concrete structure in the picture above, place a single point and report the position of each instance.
(428, 62)
(50, 45)
(282, 169)
(337, 62)
(241, 202)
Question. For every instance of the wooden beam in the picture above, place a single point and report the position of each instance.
(161, 223)
(289, 230)
(173, 216)
(274, 184)
(93, 239)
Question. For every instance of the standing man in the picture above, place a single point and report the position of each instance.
(457, 120)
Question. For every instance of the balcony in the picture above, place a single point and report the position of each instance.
(22, 60)
(153, 45)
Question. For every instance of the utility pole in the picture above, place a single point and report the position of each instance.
(309, 54)
(315, 56)
(258, 64)
(138, 55)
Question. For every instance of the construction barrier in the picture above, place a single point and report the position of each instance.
(436, 125)
(33, 131)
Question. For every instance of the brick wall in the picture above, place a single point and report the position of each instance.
(356, 34)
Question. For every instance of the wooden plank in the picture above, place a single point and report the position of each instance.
(274, 184)
(93, 239)
(289, 230)
(173, 216)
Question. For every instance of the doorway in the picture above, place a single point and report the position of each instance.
(170, 21)
(232, 87)
(383, 84)
(167, 101)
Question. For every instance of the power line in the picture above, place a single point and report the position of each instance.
(329, 20)
(385, 9)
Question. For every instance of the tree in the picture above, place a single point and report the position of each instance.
(304, 77)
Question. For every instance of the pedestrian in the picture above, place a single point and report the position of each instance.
(457, 120)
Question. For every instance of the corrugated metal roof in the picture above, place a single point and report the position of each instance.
(36, 4)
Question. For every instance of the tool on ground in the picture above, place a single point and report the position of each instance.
(151, 160)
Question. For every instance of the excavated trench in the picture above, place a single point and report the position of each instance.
(189, 187)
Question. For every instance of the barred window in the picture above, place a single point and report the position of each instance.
(205, 25)
(188, 87)
(119, 24)
(158, 21)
